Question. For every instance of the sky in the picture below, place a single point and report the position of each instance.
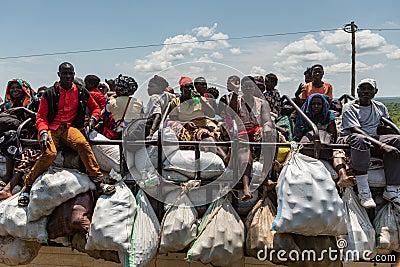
(41, 27)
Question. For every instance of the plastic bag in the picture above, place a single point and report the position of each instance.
(50, 190)
(308, 202)
(179, 226)
(221, 236)
(112, 221)
(385, 224)
(361, 233)
(144, 238)
(14, 221)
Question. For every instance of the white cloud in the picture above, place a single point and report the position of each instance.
(205, 31)
(217, 55)
(305, 50)
(257, 70)
(394, 55)
(235, 50)
(346, 67)
(185, 47)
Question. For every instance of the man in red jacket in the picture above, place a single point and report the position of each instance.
(60, 116)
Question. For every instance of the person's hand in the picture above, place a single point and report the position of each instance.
(299, 90)
(11, 111)
(44, 141)
(391, 150)
(91, 124)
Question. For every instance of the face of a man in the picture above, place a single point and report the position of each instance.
(66, 74)
(201, 87)
(366, 92)
(317, 73)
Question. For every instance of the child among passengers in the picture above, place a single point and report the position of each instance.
(316, 108)
(317, 86)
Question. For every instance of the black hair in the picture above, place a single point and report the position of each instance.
(160, 82)
(213, 91)
(248, 78)
(92, 79)
(307, 71)
(272, 78)
(317, 65)
(65, 65)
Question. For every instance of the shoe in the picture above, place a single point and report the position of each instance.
(366, 199)
(392, 195)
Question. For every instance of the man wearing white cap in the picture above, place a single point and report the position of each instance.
(360, 121)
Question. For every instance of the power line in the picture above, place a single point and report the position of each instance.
(179, 43)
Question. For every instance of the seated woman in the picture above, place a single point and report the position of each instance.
(122, 108)
(193, 112)
(18, 101)
(316, 107)
(254, 123)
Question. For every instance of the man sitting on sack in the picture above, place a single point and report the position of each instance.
(60, 116)
(360, 129)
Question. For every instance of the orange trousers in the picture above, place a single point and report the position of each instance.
(74, 139)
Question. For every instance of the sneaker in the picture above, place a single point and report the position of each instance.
(392, 195)
(366, 199)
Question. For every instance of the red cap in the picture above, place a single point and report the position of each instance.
(184, 81)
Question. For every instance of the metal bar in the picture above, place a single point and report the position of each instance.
(391, 124)
(317, 141)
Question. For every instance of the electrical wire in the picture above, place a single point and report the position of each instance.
(179, 43)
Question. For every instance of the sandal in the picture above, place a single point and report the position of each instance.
(23, 199)
(105, 189)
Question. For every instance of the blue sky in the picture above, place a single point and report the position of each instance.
(36, 27)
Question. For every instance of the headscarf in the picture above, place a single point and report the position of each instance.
(126, 85)
(183, 81)
(29, 94)
(325, 117)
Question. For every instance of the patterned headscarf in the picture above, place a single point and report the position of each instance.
(325, 117)
(29, 94)
(126, 85)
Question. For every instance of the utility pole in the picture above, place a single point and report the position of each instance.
(352, 28)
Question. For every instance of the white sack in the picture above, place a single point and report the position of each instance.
(221, 236)
(15, 251)
(107, 156)
(51, 190)
(308, 201)
(112, 220)
(179, 228)
(385, 224)
(183, 161)
(361, 233)
(14, 221)
(144, 238)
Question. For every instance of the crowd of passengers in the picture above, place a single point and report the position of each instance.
(63, 114)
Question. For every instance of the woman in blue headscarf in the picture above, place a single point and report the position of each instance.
(316, 108)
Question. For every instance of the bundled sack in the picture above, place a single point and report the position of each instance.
(221, 236)
(14, 221)
(15, 251)
(72, 216)
(107, 156)
(178, 227)
(8, 122)
(50, 190)
(183, 161)
(79, 241)
(361, 233)
(260, 237)
(308, 202)
(144, 238)
(112, 221)
(385, 224)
